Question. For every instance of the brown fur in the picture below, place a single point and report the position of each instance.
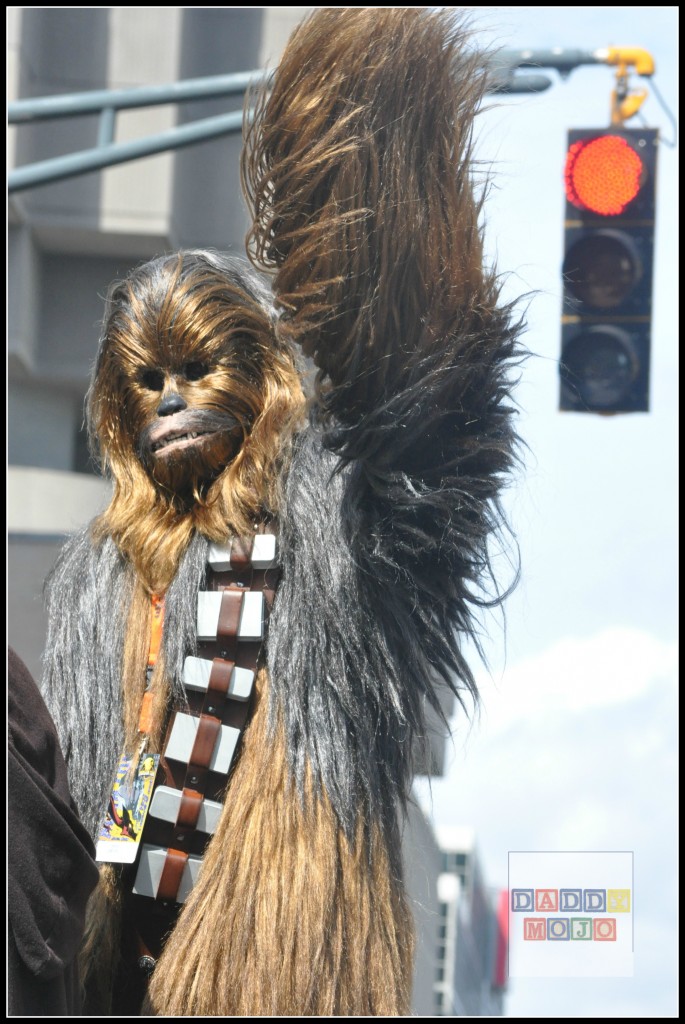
(364, 207)
(100, 953)
(287, 918)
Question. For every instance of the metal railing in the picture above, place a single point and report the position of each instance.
(108, 102)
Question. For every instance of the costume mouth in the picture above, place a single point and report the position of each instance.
(172, 442)
(186, 431)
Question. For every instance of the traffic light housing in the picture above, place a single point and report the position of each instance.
(609, 179)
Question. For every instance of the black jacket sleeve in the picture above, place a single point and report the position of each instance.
(51, 865)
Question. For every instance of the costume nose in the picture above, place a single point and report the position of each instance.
(170, 404)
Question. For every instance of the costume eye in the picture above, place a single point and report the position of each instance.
(153, 380)
(195, 371)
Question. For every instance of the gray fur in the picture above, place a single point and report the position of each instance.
(180, 611)
(88, 596)
(333, 679)
(88, 593)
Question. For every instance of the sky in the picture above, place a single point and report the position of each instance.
(576, 744)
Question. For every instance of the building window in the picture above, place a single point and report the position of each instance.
(454, 862)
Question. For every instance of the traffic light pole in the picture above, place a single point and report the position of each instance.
(624, 104)
(504, 79)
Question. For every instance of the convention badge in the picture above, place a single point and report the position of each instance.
(119, 837)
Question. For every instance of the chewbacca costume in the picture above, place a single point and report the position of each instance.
(382, 493)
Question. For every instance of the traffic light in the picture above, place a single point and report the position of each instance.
(607, 271)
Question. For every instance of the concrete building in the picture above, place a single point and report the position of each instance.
(470, 973)
(68, 240)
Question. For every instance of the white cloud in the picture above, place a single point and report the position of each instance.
(576, 675)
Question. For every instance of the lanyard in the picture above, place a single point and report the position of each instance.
(156, 630)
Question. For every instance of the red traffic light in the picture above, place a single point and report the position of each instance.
(610, 186)
(603, 174)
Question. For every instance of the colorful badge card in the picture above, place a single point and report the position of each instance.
(119, 836)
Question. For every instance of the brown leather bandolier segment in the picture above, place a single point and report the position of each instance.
(174, 866)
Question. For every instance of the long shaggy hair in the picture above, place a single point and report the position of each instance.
(289, 916)
(359, 171)
(197, 326)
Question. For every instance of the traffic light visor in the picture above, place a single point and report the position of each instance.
(603, 175)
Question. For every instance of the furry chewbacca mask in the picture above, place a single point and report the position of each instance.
(191, 396)
(358, 171)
